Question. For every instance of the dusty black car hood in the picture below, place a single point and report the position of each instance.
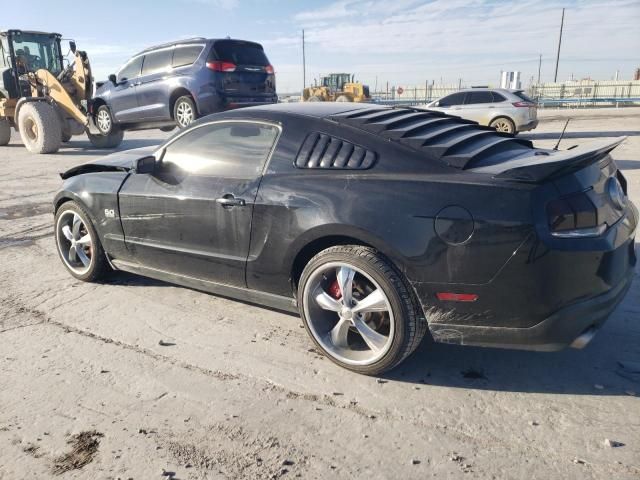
(116, 162)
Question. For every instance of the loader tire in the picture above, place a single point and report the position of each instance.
(106, 141)
(5, 132)
(315, 98)
(40, 128)
(343, 98)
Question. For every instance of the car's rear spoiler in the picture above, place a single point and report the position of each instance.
(542, 165)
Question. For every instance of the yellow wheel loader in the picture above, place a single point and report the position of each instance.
(46, 101)
(337, 87)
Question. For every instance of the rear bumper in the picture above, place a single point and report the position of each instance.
(556, 332)
(527, 126)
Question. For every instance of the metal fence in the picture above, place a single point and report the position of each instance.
(585, 93)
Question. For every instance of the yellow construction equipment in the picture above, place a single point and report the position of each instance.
(46, 101)
(337, 87)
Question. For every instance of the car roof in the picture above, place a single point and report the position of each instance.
(194, 40)
(489, 89)
(313, 109)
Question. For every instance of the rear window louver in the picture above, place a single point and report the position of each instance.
(458, 142)
(324, 151)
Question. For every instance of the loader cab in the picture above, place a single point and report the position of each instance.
(336, 81)
(31, 51)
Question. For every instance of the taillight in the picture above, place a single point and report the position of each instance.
(574, 216)
(219, 66)
(523, 104)
(269, 69)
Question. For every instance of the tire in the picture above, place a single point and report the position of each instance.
(395, 318)
(91, 264)
(503, 125)
(65, 137)
(5, 132)
(104, 120)
(314, 98)
(168, 129)
(40, 128)
(343, 98)
(184, 111)
(106, 141)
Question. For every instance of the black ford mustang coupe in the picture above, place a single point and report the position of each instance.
(377, 224)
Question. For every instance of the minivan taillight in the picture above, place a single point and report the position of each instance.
(573, 216)
(219, 66)
(268, 69)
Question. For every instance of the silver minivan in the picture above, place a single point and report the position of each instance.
(508, 111)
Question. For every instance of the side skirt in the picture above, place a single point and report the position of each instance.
(246, 295)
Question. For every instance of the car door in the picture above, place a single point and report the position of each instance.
(478, 106)
(450, 104)
(152, 90)
(122, 99)
(192, 216)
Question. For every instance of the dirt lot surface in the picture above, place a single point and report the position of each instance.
(88, 391)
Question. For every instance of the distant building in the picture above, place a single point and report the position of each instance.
(636, 76)
(510, 80)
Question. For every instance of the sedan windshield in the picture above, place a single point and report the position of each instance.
(35, 51)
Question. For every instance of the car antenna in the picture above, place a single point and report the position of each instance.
(562, 134)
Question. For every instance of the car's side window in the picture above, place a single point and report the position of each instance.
(233, 149)
(130, 70)
(157, 61)
(478, 97)
(451, 100)
(185, 55)
(497, 97)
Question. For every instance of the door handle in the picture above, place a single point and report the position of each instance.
(229, 200)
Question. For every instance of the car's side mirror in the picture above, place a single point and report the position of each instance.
(112, 79)
(72, 46)
(146, 164)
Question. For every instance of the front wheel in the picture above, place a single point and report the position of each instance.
(504, 125)
(106, 141)
(40, 128)
(78, 244)
(359, 310)
(104, 120)
(184, 112)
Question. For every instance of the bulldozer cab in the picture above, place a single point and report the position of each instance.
(26, 52)
(335, 82)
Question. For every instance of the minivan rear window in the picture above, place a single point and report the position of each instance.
(240, 53)
(185, 55)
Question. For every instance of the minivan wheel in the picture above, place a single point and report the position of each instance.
(104, 120)
(78, 244)
(107, 141)
(359, 310)
(184, 111)
(503, 125)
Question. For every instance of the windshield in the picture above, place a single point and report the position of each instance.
(34, 51)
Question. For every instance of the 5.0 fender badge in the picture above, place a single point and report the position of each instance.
(109, 213)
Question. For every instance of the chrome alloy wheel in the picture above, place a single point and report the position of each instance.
(348, 314)
(104, 121)
(184, 114)
(74, 242)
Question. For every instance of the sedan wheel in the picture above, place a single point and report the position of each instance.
(358, 310)
(78, 243)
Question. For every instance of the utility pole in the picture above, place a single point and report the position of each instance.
(539, 65)
(304, 65)
(555, 76)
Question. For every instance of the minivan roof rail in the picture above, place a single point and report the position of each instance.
(175, 42)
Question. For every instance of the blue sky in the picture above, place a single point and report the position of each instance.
(403, 42)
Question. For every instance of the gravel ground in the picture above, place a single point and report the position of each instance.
(88, 391)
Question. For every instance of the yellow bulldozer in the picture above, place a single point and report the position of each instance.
(46, 101)
(337, 87)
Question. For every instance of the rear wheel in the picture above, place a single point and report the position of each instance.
(5, 132)
(184, 111)
(504, 125)
(359, 310)
(78, 244)
(168, 129)
(106, 141)
(40, 128)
